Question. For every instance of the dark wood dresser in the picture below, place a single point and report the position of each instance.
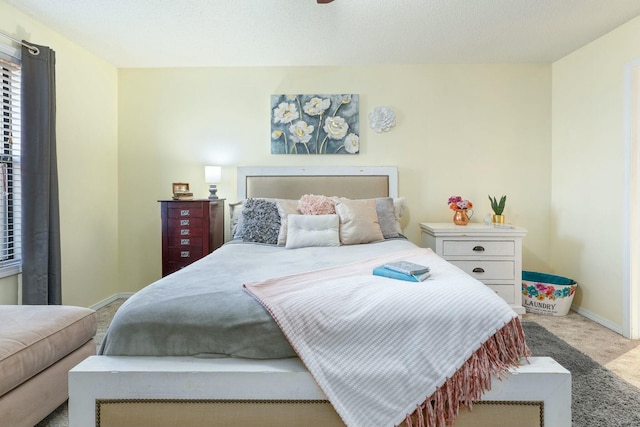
(191, 229)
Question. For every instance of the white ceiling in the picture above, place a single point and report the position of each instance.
(172, 33)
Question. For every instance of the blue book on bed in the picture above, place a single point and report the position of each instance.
(386, 272)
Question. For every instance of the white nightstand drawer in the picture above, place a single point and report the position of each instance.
(478, 248)
(488, 270)
(504, 291)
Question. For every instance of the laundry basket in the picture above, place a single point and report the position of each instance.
(546, 293)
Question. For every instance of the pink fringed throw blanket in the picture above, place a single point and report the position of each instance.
(386, 351)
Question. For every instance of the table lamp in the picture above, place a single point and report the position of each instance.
(212, 175)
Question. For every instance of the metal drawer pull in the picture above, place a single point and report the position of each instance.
(185, 212)
(184, 221)
(184, 254)
(478, 249)
(185, 242)
(185, 232)
(478, 270)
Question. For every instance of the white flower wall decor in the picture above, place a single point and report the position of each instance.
(382, 119)
(315, 124)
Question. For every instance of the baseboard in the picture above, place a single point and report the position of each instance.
(602, 321)
(109, 300)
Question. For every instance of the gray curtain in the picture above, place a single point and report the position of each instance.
(41, 282)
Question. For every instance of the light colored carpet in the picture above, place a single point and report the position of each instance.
(613, 351)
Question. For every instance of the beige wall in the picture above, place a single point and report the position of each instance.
(87, 159)
(9, 290)
(469, 130)
(587, 169)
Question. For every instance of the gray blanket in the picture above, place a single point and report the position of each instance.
(202, 310)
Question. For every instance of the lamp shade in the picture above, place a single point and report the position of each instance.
(212, 174)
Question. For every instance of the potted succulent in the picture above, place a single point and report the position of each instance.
(498, 209)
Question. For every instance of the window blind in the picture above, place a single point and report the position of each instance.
(10, 189)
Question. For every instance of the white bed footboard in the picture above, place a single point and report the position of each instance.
(105, 391)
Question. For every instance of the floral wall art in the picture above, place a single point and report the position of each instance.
(382, 119)
(315, 124)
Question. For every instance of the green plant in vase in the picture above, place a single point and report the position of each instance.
(498, 209)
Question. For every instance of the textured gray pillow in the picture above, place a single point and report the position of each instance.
(260, 221)
(389, 225)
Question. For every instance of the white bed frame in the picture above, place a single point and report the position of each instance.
(102, 381)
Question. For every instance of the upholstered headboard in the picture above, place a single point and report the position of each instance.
(293, 182)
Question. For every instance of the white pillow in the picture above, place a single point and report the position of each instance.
(312, 230)
(285, 208)
(399, 205)
(235, 213)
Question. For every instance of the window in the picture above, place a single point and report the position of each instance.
(10, 216)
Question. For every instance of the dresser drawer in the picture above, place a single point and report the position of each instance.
(187, 222)
(186, 210)
(505, 292)
(189, 254)
(185, 241)
(488, 270)
(478, 248)
(185, 232)
(170, 267)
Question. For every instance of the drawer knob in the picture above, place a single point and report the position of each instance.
(184, 222)
(478, 270)
(185, 242)
(184, 212)
(478, 249)
(185, 232)
(185, 254)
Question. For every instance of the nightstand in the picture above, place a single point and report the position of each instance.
(191, 229)
(490, 254)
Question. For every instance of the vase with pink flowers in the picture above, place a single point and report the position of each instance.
(463, 210)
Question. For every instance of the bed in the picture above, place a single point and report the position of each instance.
(291, 328)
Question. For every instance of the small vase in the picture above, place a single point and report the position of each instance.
(497, 219)
(461, 217)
